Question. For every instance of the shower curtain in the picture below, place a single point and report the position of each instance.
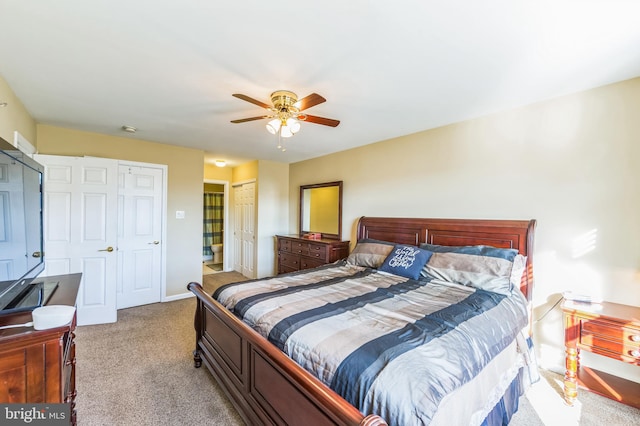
(213, 221)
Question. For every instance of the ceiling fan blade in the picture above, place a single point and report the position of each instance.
(309, 101)
(253, 101)
(244, 120)
(321, 120)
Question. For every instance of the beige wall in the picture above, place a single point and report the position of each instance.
(184, 192)
(572, 163)
(245, 172)
(272, 212)
(15, 116)
(213, 172)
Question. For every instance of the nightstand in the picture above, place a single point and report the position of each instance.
(607, 329)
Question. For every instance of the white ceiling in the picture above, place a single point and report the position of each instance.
(386, 68)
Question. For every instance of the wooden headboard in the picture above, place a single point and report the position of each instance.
(515, 234)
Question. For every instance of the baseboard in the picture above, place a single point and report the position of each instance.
(178, 297)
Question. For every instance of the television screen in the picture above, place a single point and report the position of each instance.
(21, 238)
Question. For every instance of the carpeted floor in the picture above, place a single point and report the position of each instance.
(139, 371)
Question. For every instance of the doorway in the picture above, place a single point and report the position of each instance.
(215, 242)
(244, 228)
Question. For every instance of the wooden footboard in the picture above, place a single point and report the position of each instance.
(265, 385)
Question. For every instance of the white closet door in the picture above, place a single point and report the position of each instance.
(140, 215)
(244, 234)
(80, 227)
(249, 231)
(238, 193)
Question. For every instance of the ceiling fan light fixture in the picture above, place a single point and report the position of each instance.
(294, 125)
(273, 126)
(285, 131)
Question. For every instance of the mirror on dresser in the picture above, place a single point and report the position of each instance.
(321, 209)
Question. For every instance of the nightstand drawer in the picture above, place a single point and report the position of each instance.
(611, 337)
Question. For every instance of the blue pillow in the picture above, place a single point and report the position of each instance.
(406, 261)
(489, 251)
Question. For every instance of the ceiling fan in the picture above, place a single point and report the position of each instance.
(286, 110)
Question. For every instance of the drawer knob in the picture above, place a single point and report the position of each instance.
(635, 338)
(635, 353)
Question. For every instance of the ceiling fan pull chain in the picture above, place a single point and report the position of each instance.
(280, 146)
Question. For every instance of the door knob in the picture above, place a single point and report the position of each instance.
(36, 254)
(155, 242)
(109, 249)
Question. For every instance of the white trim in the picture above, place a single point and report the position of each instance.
(23, 144)
(242, 182)
(226, 242)
(178, 297)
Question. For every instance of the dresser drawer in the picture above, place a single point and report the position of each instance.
(318, 251)
(284, 245)
(299, 247)
(289, 260)
(310, 262)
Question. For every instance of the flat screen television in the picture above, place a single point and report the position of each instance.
(21, 232)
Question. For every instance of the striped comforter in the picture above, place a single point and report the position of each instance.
(389, 345)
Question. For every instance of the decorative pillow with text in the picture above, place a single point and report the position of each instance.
(406, 261)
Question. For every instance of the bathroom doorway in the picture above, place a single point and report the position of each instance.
(215, 217)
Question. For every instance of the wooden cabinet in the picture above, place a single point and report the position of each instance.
(38, 366)
(607, 329)
(295, 253)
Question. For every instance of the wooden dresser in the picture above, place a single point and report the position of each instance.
(295, 253)
(607, 329)
(38, 366)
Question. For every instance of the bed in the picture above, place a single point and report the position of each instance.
(267, 386)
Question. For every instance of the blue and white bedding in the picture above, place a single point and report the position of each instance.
(393, 346)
